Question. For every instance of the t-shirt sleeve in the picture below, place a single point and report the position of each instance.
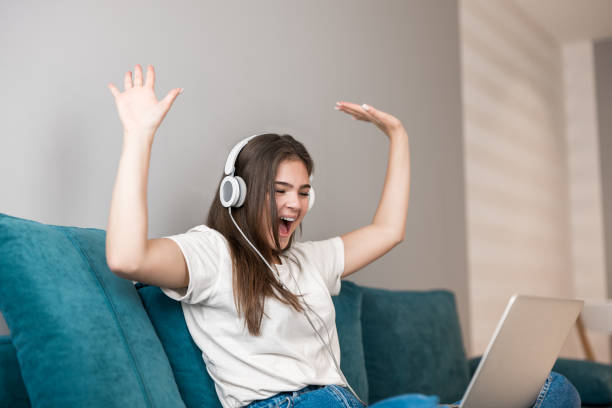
(327, 257)
(205, 254)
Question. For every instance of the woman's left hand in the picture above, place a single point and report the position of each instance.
(384, 121)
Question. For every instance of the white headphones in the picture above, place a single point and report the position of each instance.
(232, 190)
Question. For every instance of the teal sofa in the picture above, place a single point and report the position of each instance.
(83, 337)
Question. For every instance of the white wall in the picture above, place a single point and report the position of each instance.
(602, 60)
(515, 161)
(247, 67)
(584, 177)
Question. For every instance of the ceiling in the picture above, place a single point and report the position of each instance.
(571, 20)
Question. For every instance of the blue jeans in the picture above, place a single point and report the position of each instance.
(557, 392)
(323, 396)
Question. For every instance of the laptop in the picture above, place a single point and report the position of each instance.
(521, 353)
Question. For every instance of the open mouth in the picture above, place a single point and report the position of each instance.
(285, 226)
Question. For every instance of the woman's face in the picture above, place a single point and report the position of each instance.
(291, 187)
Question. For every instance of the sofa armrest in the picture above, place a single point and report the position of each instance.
(592, 380)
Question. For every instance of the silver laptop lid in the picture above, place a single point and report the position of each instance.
(522, 352)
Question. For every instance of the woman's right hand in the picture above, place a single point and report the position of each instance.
(139, 110)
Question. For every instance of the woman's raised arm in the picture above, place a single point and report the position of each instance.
(141, 114)
(388, 227)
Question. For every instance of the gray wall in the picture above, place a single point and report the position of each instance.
(602, 55)
(247, 67)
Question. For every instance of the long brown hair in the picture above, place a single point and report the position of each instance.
(257, 164)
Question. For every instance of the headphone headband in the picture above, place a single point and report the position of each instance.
(231, 158)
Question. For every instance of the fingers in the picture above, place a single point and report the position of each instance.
(372, 113)
(150, 77)
(114, 90)
(352, 109)
(357, 111)
(361, 112)
(384, 121)
(169, 98)
(138, 75)
(127, 80)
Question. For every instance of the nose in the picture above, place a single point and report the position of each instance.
(293, 200)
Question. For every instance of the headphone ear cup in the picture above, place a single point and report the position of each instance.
(228, 191)
(242, 190)
(311, 198)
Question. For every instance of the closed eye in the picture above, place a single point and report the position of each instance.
(302, 194)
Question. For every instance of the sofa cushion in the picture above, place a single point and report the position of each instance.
(412, 343)
(195, 384)
(592, 380)
(12, 390)
(81, 334)
(348, 305)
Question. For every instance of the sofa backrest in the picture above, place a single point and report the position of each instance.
(412, 344)
(392, 342)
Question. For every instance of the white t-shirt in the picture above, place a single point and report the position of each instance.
(288, 355)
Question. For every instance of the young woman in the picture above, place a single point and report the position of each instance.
(257, 303)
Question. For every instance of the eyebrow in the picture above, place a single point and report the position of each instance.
(282, 183)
